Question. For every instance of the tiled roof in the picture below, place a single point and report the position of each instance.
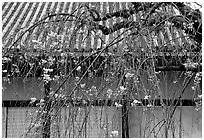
(20, 15)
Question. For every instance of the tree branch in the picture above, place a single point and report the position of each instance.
(195, 16)
(126, 13)
(115, 27)
(186, 12)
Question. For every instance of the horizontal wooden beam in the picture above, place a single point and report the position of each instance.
(179, 68)
(157, 102)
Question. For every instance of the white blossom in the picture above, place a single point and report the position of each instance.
(4, 71)
(52, 34)
(42, 100)
(117, 104)
(51, 93)
(56, 77)
(147, 96)
(78, 68)
(122, 88)
(84, 102)
(114, 133)
(175, 82)
(149, 105)
(129, 75)
(6, 59)
(200, 96)
(44, 112)
(93, 88)
(135, 102)
(44, 61)
(193, 88)
(32, 100)
(47, 77)
(77, 78)
(56, 95)
(63, 54)
(35, 41)
(109, 91)
(157, 72)
(47, 70)
(190, 64)
(82, 85)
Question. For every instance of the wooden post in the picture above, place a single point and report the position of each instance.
(6, 131)
(46, 114)
(125, 126)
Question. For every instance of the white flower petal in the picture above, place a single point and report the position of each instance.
(33, 99)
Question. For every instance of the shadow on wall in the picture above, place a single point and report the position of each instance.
(142, 121)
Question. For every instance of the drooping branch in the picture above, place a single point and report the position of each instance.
(152, 10)
(117, 26)
(38, 23)
(122, 13)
